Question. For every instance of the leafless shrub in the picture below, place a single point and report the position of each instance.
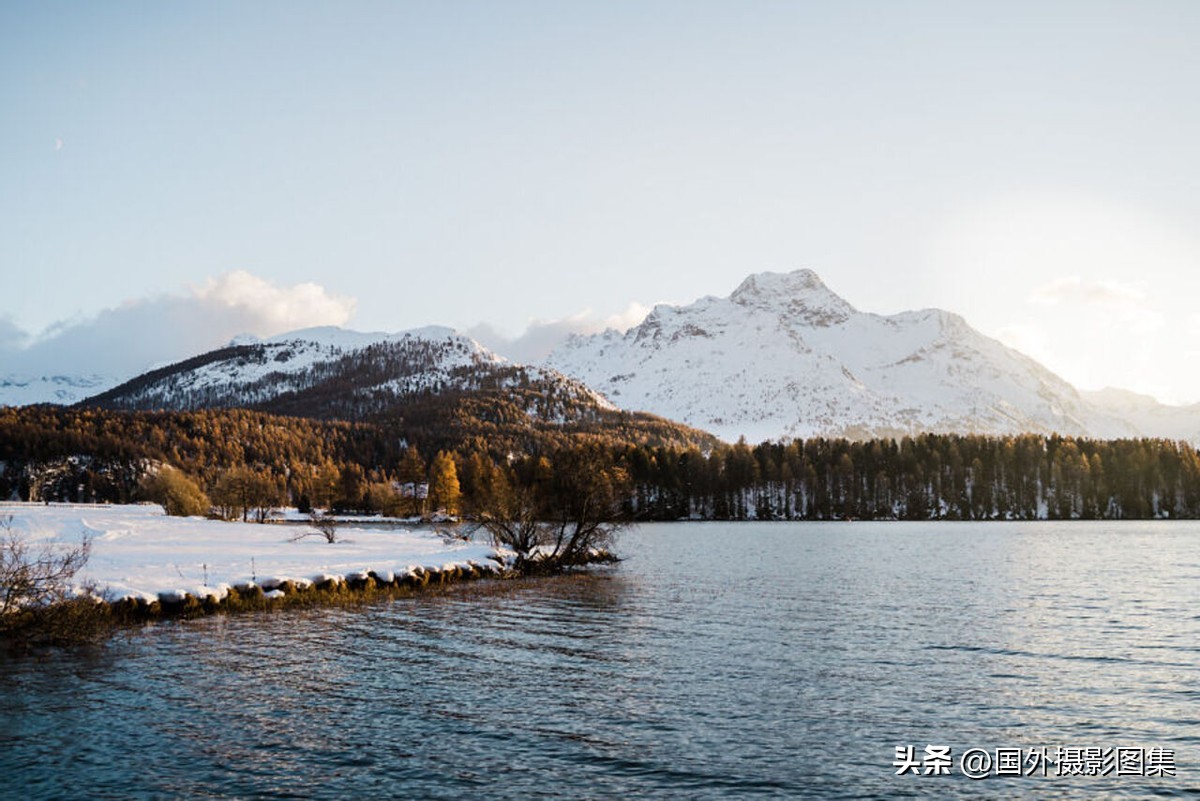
(326, 526)
(32, 577)
(37, 600)
(456, 532)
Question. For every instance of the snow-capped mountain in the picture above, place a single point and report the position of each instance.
(332, 372)
(784, 356)
(22, 390)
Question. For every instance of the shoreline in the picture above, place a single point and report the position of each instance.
(282, 593)
(133, 564)
(382, 523)
(91, 619)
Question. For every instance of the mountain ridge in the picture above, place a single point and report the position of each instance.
(431, 383)
(782, 356)
(372, 367)
(795, 360)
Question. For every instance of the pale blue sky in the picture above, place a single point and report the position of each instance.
(1032, 166)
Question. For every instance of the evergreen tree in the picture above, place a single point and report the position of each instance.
(412, 481)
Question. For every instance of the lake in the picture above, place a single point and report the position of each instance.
(785, 660)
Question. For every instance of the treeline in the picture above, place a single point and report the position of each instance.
(51, 453)
(921, 478)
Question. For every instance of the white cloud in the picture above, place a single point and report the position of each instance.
(58, 144)
(633, 315)
(141, 333)
(1076, 290)
(273, 307)
(1103, 289)
(542, 336)
(1088, 304)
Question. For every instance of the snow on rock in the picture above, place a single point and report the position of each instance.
(784, 356)
(249, 373)
(168, 558)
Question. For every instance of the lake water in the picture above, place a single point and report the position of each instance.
(719, 660)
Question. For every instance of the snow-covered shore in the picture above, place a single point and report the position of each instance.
(138, 552)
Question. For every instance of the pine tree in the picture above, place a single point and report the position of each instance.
(412, 477)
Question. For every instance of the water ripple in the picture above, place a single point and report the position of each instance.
(774, 661)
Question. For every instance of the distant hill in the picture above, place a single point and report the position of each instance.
(432, 384)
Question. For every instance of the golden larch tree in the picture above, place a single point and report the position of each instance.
(444, 491)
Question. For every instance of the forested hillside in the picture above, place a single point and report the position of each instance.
(86, 454)
(332, 374)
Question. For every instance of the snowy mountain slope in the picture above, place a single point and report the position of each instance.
(783, 356)
(21, 390)
(1147, 416)
(332, 372)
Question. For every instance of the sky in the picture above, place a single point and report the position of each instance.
(172, 174)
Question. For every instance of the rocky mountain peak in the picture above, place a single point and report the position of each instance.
(799, 294)
(784, 356)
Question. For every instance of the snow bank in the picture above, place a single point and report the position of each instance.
(138, 552)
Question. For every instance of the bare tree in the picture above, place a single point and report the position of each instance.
(511, 518)
(326, 526)
(37, 601)
(565, 521)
